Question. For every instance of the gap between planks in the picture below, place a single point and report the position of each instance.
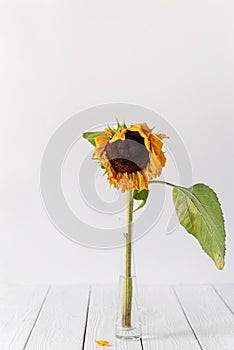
(189, 316)
(43, 302)
(62, 321)
(210, 317)
(19, 308)
(164, 323)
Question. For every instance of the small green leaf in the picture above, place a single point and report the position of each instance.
(141, 196)
(199, 211)
(90, 136)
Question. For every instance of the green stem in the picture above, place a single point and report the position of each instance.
(127, 285)
(163, 182)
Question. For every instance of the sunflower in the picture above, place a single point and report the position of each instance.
(131, 156)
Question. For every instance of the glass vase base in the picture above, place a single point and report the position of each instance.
(133, 333)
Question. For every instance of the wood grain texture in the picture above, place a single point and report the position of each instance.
(164, 324)
(101, 320)
(188, 318)
(19, 308)
(211, 320)
(61, 323)
(226, 292)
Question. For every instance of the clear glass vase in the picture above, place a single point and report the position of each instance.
(128, 323)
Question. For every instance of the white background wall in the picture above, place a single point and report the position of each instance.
(59, 57)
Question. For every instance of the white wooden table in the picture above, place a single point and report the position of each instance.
(73, 317)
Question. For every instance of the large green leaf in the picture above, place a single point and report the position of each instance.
(199, 211)
(141, 196)
(90, 136)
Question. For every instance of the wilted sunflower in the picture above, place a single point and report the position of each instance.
(130, 155)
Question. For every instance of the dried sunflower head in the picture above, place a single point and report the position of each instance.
(130, 155)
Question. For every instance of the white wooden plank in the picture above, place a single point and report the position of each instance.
(211, 320)
(101, 320)
(226, 292)
(164, 324)
(19, 308)
(61, 323)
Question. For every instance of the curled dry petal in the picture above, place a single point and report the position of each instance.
(102, 342)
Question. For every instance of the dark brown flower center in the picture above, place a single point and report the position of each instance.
(129, 155)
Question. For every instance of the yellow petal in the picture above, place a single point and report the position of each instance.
(108, 132)
(101, 139)
(102, 342)
(162, 159)
(162, 136)
(156, 143)
(112, 178)
(142, 181)
(142, 126)
(119, 135)
(99, 150)
(154, 167)
(123, 182)
(134, 181)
